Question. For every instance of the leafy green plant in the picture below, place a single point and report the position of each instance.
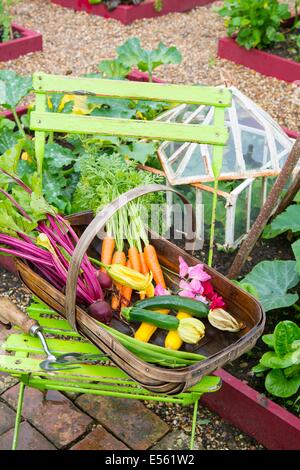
(283, 380)
(13, 88)
(131, 54)
(256, 23)
(112, 4)
(288, 220)
(272, 280)
(6, 31)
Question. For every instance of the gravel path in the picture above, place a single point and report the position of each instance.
(74, 43)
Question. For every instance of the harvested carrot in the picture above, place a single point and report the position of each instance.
(108, 246)
(118, 258)
(126, 292)
(153, 265)
(144, 270)
(134, 258)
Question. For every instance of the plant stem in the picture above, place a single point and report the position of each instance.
(213, 223)
(18, 122)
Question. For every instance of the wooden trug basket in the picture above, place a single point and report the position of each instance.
(219, 347)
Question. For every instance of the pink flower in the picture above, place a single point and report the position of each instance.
(187, 293)
(217, 302)
(190, 289)
(197, 272)
(183, 267)
(208, 290)
(159, 290)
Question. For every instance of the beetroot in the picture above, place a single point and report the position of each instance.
(101, 311)
(104, 280)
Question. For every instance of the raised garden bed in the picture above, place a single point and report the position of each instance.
(265, 62)
(129, 13)
(28, 41)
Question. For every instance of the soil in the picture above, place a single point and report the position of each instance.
(16, 34)
(288, 48)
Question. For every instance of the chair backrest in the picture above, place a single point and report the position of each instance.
(42, 120)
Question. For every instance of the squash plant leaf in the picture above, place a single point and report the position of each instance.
(13, 88)
(272, 280)
(132, 54)
(296, 250)
(287, 220)
(113, 69)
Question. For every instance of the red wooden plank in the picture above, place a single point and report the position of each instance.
(261, 61)
(30, 41)
(270, 424)
(129, 13)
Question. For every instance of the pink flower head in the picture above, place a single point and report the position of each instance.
(183, 267)
(187, 293)
(159, 290)
(197, 272)
(217, 302)
(208, 290)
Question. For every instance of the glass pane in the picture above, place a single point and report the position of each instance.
(240, 225)
(195, 165)
(256, 199)
(245, 117)
(255, 150)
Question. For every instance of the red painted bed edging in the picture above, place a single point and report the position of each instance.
(30, 41)
(270, 424)
(261, 61)
(129, 13)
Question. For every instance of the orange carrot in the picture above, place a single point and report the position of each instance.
(153, 265)
(108, 246)
(126, 291)
(144, 270)
(134, 258)
(118, 258)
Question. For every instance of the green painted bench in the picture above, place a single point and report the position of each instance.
(25, 352)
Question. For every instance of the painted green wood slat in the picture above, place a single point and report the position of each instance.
(31, 345)
(40, 138)
(12, 364)
(52, 323)
(156, 130)
(133, 90)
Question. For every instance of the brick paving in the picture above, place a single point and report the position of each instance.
(52, 421)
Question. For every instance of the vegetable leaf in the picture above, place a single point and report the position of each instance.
(113, 69)
(296, 250)
(277, 384)
(287, 220)
(13, 88)
(284, 334)
(272, 280)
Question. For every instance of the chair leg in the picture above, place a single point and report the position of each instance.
(194, 422)
(18, 417)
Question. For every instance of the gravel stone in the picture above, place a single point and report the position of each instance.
(75, 42)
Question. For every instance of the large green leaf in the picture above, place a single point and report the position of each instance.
(296, 250)
(57, 156)
(111, 107)
(132, 54)
(271, 360)
(139, 151)
(285, 333)
(273, 279)
(13, 88)
(113, 69)
(277, 384)
(287, 220)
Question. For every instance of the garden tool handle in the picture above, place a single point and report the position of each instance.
(10, 313)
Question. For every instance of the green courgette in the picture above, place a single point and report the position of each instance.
(165, 322)
(175, 302)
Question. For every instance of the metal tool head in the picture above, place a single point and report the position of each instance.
(68, 361)
(50, 365)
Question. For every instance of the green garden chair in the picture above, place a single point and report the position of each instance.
(26, 351)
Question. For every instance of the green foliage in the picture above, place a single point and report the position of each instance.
(6, 19)
(272, 280)
(158, 5)
(256, 23)
(296, 250)
(13, 88)
(112, 4)
(104, 176)
(283, 380)
(289, 220)
(131, 54)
